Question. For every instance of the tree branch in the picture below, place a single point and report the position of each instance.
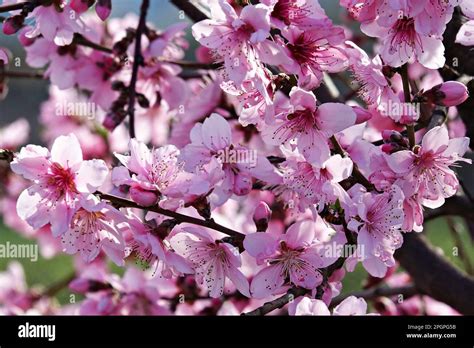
(380, 291)
(13, 7)
(181, 218)
(137, 61)
(22, 74)
(279, 302)
(434, 275)
(190, 10)
(82, 41)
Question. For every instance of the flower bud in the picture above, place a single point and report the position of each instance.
(103, 9)
(81, 6)
(24, 40)
(143, 197)
(12, 24)
(362, 115)
(261, 216)
(389, 148)
(449, 93)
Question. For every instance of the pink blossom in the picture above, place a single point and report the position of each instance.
(426, 171)
(152, 171)
(213, 261)
(310, 124)
(300, 13)
(378, 222)
(465, 36)
(314, 183)
(61, 179)
(239, 39)
(55, 25)
(349, 306)
(314, 51)
(133, 294)
(14, 134)
(152, 249)
(294, 257)
(374, 88)
(403, 38)
(212, 140)
(95, 227)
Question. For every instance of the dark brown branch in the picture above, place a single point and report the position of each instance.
(190, 10)
(181, 218)
(356, 173)
(82, 41)
(381, 291)
(434, 275)
(454, 206)
(406, 92)
(22, 74)
(194, 65)
(280, 302)
(6, 155)
(137, 61)
(13, 7)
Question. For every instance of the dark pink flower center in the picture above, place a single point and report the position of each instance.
(62, 179)
(404, 34)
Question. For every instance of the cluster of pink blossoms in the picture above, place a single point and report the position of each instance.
(243, 181)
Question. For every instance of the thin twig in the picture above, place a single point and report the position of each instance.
(190, 10)
(407, 95)
(181, 218)
(357, 174)
(194, 65)
(137, 61)
(381, 291)
(13, 7)
(22, 74)
(82, 41)
(279, 302)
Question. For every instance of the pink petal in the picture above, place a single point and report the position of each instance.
(302, 99)
(216, 133)
(300, 234)
(91, 175)
(335, 117)
(267, 282)
(239, 280)
(260, 245)
(435, 139)
(66, 151)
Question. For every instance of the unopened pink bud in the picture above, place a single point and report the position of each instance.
(143, 197)
(103, 9)
(388, 148)
(362, 115)
(449, 93)
(204, 55)
(24, 40)
(455, 93)
(81, 6)
(261, 216)
(12, 24)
